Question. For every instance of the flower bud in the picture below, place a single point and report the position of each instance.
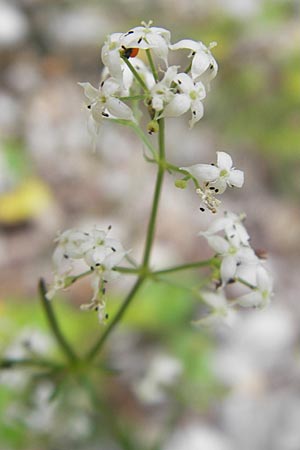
(153, 127)
(181, 184)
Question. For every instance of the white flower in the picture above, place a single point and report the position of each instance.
(147, 37)
(204, 66)
(232, 226)
(221, 310)
(217, 177)
(263, 291)
(232, 255)
(110, 55)
(189, 96)
(162, 92)
(104, 102)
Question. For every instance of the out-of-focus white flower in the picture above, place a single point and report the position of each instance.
(204, 66)
(198, 436)
(189, 96)
(104, 102)
(218, 176)
(221, 312)
(232, 226)
(147, 37)
(97, 252)
(163, 371)
(263, 291)
(232, 255)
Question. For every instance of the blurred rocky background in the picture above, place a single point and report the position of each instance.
(178, 388)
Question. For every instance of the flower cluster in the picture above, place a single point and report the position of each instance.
(238, 262)
(89, 251)
(169, 93)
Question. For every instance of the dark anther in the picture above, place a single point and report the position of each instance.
(216, 191)
(232, 236)
(179, 82)
(102, 83)
(89, 106)
(92, 268)
(207, 184)
(86, 234)
(193, 53)
(140, 40)
(194, 113)
(113, 249)
(96, 308)
(103, 291)
(106, 316)
(104, 281)
(211, 66)
(231, 280)
(128, 33)
(105, 114)
(202, 209)
(66, 256)
(212, 164)
(97, 264)
(212, 188)
(109, 227)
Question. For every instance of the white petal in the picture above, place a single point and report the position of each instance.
(224, 160)
(97, 112)
(228, 268)
(200, 64)
(203, 172)
(177, 106)
(185, 44)
(264, 279)
(197, 112)
(254, 298)
(89, 91)
(215, 300)
(218, 243)
(236, 178)
(185, 82)
(118, 109)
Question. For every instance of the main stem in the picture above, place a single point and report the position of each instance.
(148, 246)
(158, 185)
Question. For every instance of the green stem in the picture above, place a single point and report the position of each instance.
(60, 339)
(193, 265)
(136, 74)
(99, 344)
(152, 65)
(144, 269)
(9, 363)
(158, 186)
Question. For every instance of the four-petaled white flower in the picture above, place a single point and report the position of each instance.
(204, 66)
(189, 95)
(232, 226)
(162, 92)
(232, 255)
(110, 55)
(104, 102)
(222, 312)
(218, 176)
(147, 37)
